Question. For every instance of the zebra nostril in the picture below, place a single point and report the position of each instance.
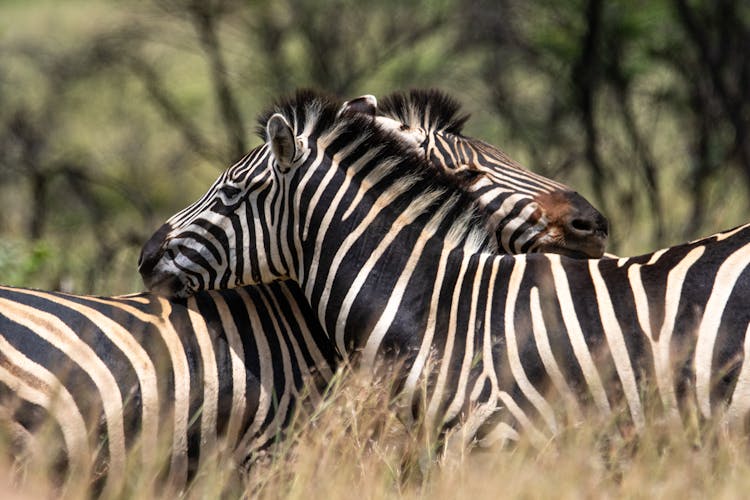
(583, 220)
(582, 225)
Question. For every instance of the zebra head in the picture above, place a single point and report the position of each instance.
(253, 223)
(200, 247)
(530, 213)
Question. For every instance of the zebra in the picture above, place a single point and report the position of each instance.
(396, 261)
(86, 365)
(217, 371)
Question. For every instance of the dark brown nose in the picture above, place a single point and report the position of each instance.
(584, 228)
(579, 229)
(583, 220)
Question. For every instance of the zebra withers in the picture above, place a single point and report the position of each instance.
(220, 372)
(390, 256)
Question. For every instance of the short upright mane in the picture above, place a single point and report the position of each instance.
(317, 114)
(430, 109)
(304, 107)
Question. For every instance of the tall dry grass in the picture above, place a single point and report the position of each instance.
(353, 446)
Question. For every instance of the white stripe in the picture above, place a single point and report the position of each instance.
(136, 355)
(661, 346)
(57, 333)
(280, 402)
(535, 435)
(382, 201)
(577, 340)
(239, 373)
(273, 233)
(372, 178)
(210, 380)
(656, 256)
(514, 358)
(325, 224)
(426, 348)
(723, 286)
(286, 250)
(617, 347)
(388, 314)
(488, 361)
(445, 363)
(529, 234)
(54, 397)
(541, 339)
(290, 335)
(258, 245)
(728, 234)
(502, 432)
(459, 398)
(266, 374)
(510, 227)
(302, 321)
(415, 209)
(311, 170)
(740, 403)
(178, 464)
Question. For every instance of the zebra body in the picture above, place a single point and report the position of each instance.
(181, 376)
(545, 338)
(393, 260)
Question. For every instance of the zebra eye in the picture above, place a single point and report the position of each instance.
(230, 192)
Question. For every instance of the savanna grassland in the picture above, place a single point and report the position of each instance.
(115, 114)
(354, 447)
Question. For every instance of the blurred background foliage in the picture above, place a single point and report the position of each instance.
(113, 115)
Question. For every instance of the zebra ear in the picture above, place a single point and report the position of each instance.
(281, 137)
(365, 105)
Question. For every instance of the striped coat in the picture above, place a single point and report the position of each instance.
(396, 262)
(181, 379)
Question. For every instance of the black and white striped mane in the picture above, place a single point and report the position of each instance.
(315, 114)
(429, 109)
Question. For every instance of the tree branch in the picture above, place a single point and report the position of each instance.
(204, 20)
